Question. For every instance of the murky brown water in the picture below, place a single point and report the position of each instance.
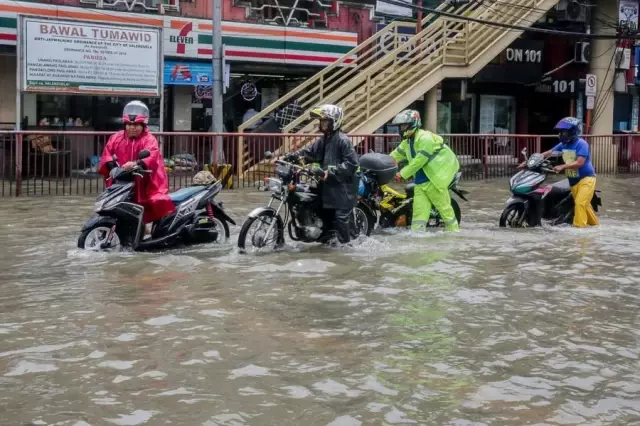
(487, 327)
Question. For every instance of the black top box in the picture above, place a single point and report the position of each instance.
(380, 167)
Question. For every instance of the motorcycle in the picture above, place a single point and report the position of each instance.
(118, 220)
(390, 208)
(295, 187)
(530, 202)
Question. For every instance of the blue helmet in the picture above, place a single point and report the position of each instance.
(568, 129)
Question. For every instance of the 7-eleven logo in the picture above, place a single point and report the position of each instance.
(181, 39)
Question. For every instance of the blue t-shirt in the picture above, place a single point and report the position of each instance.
(420, 177)
(570, 153)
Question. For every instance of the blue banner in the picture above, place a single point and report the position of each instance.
(187, 73)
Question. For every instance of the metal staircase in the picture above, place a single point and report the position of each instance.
(383, 75)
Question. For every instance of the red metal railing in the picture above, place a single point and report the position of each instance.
(64, 163)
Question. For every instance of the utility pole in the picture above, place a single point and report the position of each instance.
(218, 78)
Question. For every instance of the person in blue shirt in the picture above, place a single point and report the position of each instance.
(578, 169)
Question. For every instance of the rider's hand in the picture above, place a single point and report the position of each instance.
(129, 165)
(522, 166)
(559, 168)
(398, 177)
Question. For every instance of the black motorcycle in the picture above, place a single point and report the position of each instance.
(118, 220)
(296, 189)
(531, 202)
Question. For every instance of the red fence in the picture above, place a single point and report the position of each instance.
(64, 163)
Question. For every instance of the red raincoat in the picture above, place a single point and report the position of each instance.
(155, 186)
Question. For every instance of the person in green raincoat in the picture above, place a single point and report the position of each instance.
(433, 166)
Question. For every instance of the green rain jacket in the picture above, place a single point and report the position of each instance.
(433, 156)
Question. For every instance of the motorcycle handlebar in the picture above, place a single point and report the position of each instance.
(302, 170)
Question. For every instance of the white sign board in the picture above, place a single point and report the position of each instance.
(392, 9)
(591, 102)
(628, 14)
(78, 57)
(590, 85)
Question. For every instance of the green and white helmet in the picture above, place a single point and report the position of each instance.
(407, 121)
(329, 112)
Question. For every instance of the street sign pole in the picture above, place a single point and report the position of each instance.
(590, 90)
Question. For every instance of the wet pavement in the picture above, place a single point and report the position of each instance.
(484, 327)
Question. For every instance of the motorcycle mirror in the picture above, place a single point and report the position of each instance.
(144, 154)
(268, 155)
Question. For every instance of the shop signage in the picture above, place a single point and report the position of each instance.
(564, 86)
(404, 33)
(520, 55)
(182, 38)
(189, 73)
(520, 63)
(628, 14)
(79, 57)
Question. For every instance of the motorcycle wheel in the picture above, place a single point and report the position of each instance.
(265, 217)
(92, 238)
(363, 216)
(514, 211)
(220, 223)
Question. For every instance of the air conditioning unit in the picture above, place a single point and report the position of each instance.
(623, 58)
(582, 53)
(571, 11)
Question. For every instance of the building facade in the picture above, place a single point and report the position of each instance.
(264, 56)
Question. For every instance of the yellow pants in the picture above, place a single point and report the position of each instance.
(582, 194)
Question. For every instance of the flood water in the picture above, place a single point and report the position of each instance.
(484, 327)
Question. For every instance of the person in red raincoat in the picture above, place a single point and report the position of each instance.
(126, 144)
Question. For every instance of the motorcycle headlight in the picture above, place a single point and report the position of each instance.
(274, 185)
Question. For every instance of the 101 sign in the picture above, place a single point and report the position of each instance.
(564, 86)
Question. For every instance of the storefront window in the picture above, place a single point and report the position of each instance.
(97, 112)
(497, 114)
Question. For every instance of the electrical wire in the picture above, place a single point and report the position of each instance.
(633, 36)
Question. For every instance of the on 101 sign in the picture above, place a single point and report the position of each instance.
(532, 56)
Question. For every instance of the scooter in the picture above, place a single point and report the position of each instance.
(118, 220)
(531, 202)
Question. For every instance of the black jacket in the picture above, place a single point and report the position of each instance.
(336, 154)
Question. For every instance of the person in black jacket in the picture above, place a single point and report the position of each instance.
(336, 156)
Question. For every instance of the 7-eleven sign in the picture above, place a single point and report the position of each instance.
(180, 40)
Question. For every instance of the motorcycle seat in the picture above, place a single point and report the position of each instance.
(408, 189)
(185, 193)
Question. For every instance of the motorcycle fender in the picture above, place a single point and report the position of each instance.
(219, 211)
(257, 211)
(366, 208)
(93, 221)
(517, 200)
(460, 193)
